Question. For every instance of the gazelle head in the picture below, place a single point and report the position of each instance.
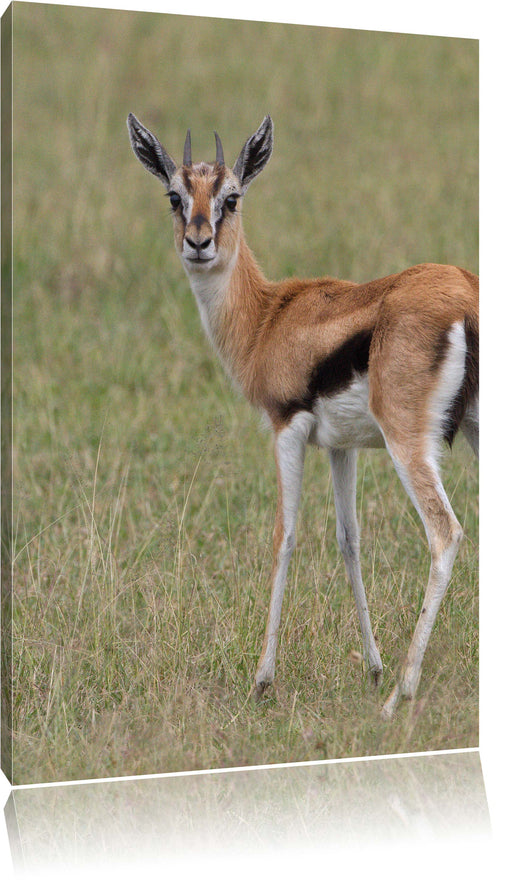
(205, 197)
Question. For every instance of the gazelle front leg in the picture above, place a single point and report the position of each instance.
(289, 449)
(344, 478)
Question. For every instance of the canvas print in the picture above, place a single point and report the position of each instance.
(243, 418)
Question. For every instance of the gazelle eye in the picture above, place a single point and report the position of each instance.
(175, 199)
(231, 203)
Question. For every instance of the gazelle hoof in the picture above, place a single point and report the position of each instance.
(375, 676)
(260, 687)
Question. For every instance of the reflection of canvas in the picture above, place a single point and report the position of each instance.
(312, 811)
(143, 485)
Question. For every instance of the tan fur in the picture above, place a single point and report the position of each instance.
(422, 306)
(395, 358)
(272, 334)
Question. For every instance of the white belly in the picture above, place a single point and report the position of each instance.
(345, 420)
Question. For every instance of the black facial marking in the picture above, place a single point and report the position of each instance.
(198, 220)
(225, 211)
(176, 207)
(186, 176)
(217, 229)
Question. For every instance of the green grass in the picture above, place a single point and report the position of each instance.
(144, 486)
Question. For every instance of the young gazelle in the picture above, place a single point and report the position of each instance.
(393, 362)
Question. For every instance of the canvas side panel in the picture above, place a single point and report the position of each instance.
(6, 394)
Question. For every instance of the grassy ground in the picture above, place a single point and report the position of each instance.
(144, 486)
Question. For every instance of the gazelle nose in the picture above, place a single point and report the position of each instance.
(198, 245)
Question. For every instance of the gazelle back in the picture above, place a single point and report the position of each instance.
(393, 363)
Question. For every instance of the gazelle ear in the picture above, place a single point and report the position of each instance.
(149, 151)
(255, 154)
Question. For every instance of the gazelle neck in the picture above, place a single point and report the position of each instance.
(232, 300)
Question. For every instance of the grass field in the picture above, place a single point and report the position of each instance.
(144, 486)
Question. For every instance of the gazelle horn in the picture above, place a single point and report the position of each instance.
(187, 152)
(219, 159)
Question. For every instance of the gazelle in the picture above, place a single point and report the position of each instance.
(393, 363)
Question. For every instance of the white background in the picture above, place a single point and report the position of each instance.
(489, 23)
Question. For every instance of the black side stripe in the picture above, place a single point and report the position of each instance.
(332, 375)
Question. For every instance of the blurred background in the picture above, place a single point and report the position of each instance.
(144, 487)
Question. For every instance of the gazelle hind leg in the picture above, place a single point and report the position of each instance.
(289, 449)
(344, 473)
(411, 407)
(421, 480)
